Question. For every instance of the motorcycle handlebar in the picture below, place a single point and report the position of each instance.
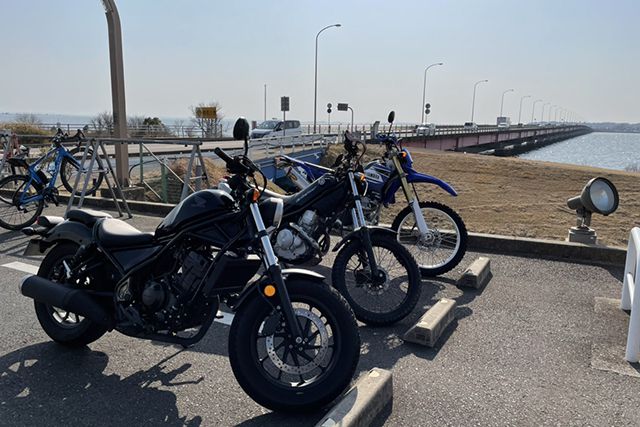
(233, 165)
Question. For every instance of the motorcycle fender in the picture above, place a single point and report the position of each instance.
(373, 230)
(287, 273)
(72, 231)
(414, 176)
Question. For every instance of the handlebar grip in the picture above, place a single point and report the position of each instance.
(224, 156)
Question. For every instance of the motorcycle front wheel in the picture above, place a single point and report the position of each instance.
(377, 301)
(445, 243)
(286, 375)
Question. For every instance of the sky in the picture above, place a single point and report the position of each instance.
(582, 55)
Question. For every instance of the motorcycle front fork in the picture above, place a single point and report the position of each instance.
(275, 274)
(412, 198)
(359, 225)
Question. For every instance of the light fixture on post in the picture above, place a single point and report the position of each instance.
(598, 196)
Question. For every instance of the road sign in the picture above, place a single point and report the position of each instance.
(284, 103)
(206, 112)
(343, 107)
(427, 108)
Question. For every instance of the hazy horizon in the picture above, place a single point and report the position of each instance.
(580, 55)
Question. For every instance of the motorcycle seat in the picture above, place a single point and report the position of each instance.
(114, 233)
(86, 216)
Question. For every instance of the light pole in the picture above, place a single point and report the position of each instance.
(265, 102)
(555, 113)
(520, 111)
(117, 90)
(424, 87)
(473, 102)
(351, 117)
(502, 100)
(542, 115)
(533, 108)
(315, 83)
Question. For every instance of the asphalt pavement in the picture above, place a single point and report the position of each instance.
(521, 352)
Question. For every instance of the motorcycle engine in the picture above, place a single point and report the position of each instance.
(162, 296)
(295, 242)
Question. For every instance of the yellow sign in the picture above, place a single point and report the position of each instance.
(206, 113)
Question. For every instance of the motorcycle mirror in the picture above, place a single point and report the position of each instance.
(392, 117)
(241, 129)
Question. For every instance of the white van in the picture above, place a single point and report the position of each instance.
(273, 128)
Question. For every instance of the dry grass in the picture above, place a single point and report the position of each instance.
(518, 197)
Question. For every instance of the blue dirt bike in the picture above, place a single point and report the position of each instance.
(433, 232)
(24, 196)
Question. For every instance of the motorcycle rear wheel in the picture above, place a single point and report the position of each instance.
(284, 376)
(64, 327)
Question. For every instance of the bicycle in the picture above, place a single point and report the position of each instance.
(24, 196)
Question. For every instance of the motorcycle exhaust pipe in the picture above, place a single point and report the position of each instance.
(63, 297)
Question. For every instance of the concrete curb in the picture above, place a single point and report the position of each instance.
(547, 249)
(362, 404)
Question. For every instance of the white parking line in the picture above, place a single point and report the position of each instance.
(21, 266)
(226, 318)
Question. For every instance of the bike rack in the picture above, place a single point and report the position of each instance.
(95, 158)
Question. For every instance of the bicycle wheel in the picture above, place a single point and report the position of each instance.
(69, 172)
(15, 215)
(443, 247)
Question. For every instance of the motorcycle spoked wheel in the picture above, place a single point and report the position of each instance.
(378, 302)
(286, 376)
(445, 244)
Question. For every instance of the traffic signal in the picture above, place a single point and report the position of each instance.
(284, 103)
(427, 108)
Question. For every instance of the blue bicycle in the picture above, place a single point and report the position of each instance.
(24, 196)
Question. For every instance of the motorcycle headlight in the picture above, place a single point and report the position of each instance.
(271, 210)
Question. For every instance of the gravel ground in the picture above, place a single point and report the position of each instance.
(520, 353)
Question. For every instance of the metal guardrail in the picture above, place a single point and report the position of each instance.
(631, 295)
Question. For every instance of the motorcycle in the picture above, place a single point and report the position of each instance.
(435, 234)
(293, 343)
(376, 274)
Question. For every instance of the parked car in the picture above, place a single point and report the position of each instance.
(274, 128)
(470, 125)
(426, 129)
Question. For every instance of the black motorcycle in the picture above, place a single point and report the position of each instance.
(293, 343)
(375, 273)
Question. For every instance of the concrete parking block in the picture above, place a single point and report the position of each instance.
(477, 275)
(432, 324)
(363, 402)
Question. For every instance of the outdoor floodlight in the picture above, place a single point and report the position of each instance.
(598, 196)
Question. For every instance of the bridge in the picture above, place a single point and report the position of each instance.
(498, 141)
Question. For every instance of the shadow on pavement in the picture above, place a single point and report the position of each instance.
(47, 384)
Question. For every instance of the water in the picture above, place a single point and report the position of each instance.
(618, 151)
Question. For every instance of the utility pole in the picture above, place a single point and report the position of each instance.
(117, 90)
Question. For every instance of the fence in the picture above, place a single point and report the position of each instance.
(630, 297)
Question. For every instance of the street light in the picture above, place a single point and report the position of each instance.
(265, 102)
(117, 89)
(315, 84)
(542, 115)
(520, 112)
(502, 101)
(424, 88)
(555, 113)
(473, 102)
(533, 108)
